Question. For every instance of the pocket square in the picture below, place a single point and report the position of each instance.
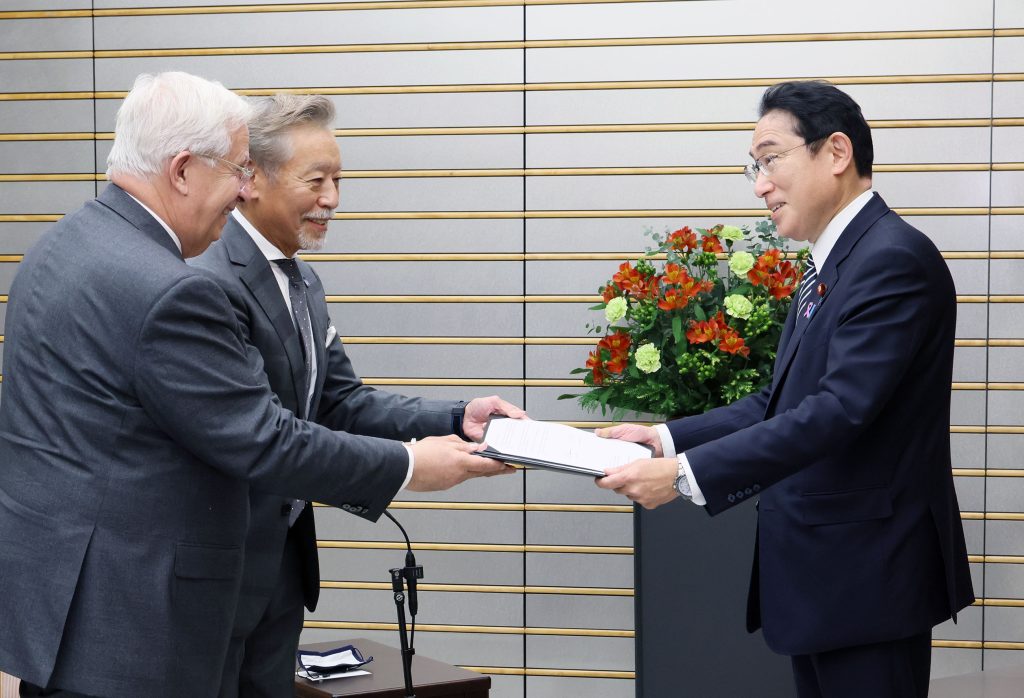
(331, 334)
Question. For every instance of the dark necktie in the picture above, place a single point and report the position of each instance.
(807, 284)
(300, 311)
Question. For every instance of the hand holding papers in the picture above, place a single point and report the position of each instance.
(557, 447)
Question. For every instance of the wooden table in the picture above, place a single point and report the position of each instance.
(431, 678)
(1007, 682)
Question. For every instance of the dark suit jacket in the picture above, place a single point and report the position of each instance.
(133, 419)
(340, 401)
(859, 532)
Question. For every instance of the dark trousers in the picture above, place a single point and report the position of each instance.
(897, 669)
(261, 664)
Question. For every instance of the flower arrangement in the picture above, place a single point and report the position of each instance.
(695, 333)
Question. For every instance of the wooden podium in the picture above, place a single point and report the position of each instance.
(431, 678)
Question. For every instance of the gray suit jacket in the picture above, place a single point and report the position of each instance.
(340, 401)
(134, 415)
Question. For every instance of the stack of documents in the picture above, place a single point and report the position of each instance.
(557, 447)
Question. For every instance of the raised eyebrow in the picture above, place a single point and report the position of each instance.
(763, 144)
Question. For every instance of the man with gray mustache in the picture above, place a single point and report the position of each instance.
(279, 301)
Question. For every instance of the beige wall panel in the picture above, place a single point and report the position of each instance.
(970, 275)
(1007, 232)
(63, 75)
(1009, 13)
(1004, 538)
(560, 687)
(17, 238)
(613, 234)
(1004, 451)
(1004, 580)
(781, 60)
(579, 528)
(558, 361)
(47, 116)
(638, 192)
(710, 148)
(995, 659)
(426, 525)
(409, 68)
(578, 569)
(747, 17)
(434, 194)
(402, 319)
(1007, 188)
(1008, 144)
(927, 189)
(545, 486)
(46, 157)
(568, 611)
(311, 28)
(446, 278)
(439, 566)
(611, 653)
(1006, 407)
(967, 407)
(1006, 320)
(1008, 99)
(1007, 276)
(36, 5)
(970, 493)
(44, 197)
(950, 662)
(1006, 364)
(1004, 624)
(1009, 54)
(544, 404)
(64, 34)
(1006, 493)
(431, 152)
(426, 361)
(506, 489)
(967, 450)
(970, 364)
(448, 608)
(557, 319)
(410, 236)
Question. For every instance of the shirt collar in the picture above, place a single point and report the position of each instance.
(830, 236)
(177, 242)
(268, 248)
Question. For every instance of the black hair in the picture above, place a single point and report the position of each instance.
(821, 109)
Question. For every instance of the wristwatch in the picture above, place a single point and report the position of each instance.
(458, 416)
(682, 485)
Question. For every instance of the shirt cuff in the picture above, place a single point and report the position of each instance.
(697, 496)
(668, 446)
(412, 464)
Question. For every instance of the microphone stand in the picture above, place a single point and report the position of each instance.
(402, 577)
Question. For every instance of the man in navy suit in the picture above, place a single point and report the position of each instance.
(135, 416)
(860, 549)
(297, 167)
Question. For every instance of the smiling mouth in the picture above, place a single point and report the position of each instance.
(776, 207)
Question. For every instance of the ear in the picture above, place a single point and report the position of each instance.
(841, 148)
(259, 180)
(177, 171)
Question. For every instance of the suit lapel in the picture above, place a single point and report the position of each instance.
(828, 275)
(254, 271)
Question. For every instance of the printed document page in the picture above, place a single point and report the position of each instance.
(560, 445)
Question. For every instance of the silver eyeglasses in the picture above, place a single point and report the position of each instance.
(244, 174)
(767, 164)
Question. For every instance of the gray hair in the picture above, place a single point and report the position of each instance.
(273, 117)
(167, 113)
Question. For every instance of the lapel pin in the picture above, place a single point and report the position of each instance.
(821, 289)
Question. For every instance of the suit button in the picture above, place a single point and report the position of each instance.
(749, 491)
(756, 488)
(731, 498)
(739, 494)
(286, 509)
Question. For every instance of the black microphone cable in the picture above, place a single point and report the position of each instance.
(412, 572)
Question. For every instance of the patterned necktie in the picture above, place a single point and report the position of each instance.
(300, 310)
(806, 285)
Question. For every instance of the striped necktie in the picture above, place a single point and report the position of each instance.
(809, 281)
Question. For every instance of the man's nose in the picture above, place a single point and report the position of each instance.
(762, 185)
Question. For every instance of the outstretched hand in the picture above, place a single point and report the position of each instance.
(442, 462)
(650, 482)
(637, 433)
(475, 419)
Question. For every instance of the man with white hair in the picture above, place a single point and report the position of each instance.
(297, 167)
(135, 415)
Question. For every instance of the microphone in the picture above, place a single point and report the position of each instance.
(411, 573)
